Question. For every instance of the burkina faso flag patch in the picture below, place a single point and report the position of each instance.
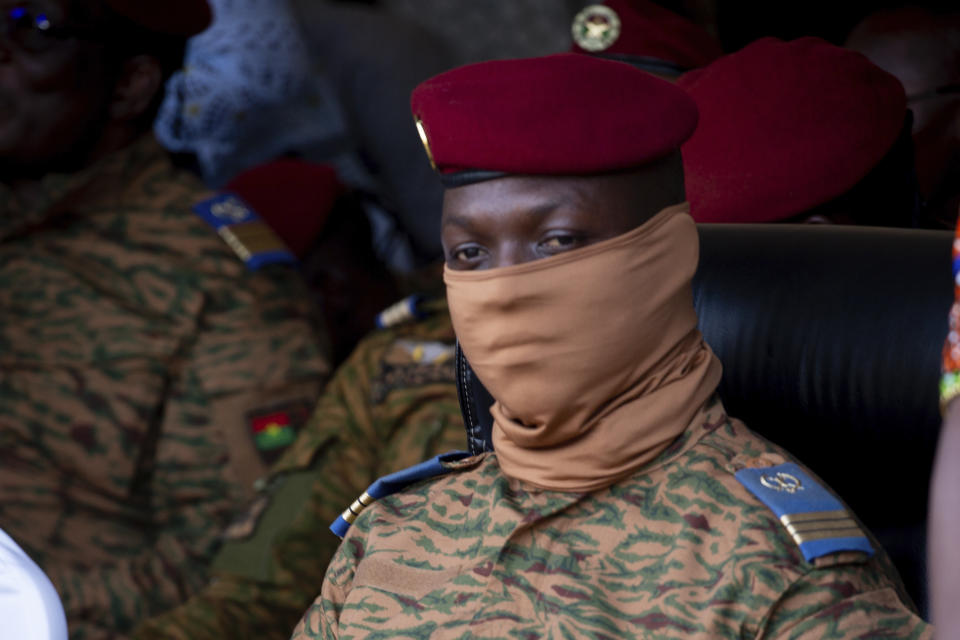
(273, 430)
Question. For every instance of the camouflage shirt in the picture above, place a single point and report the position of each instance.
(680, 549)
(138, 355)
(392, 404)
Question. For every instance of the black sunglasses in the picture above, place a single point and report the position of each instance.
(31, 30)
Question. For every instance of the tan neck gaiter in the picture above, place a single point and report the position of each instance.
(593, 356)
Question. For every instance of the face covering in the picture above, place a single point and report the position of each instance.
(593, 356)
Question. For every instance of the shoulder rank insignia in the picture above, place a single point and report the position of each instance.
(390, 484)
(407, 310)
(243, 230)
(817, 521)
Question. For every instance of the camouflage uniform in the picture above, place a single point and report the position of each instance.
(137, 353)
(390, 405)
(679, 549)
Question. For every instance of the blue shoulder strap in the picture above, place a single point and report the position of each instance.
(815, 518)
(243, 230)
(390, 484)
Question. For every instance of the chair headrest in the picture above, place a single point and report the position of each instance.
(830, 340)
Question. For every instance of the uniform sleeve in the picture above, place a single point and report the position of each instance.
(266, 579)
(322, 618)
(359, 431)
(839, 603)
(255, 365)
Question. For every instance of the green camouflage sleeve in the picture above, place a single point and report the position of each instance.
(378, 414)
(830, 604)
(256, 353)
(321, 619)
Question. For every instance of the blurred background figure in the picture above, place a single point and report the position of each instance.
(157, 349)
(799, 131)
(248, 93)
(29, 605)
(272, 78)
(921, 47)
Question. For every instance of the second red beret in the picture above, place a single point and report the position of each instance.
(785, 127)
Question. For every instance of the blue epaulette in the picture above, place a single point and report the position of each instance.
(243, 230)
(390, 484)
(818, 521)
(406, 310)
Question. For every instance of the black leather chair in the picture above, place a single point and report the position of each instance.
(830, 339)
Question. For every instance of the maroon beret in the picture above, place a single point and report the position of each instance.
(639, 32)
(171, 17)
(784, 127)
(294, 197)
(565, 114)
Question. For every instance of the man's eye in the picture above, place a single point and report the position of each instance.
(561, 242)
(466, 254)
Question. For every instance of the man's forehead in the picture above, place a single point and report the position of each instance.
(509, 192)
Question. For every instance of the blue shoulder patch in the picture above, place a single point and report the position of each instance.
(390, 484)
(818, 522)
(243, 230)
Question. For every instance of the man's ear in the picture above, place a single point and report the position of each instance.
(139, 81)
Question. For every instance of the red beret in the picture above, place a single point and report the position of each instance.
(639, 32)
(171, 17)
(293, 197)
(784, 127)
(565, 114)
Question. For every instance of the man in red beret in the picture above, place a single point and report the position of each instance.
(157, 349)
(621, 500)
(921, 47)
(645, 35)
(799, 131)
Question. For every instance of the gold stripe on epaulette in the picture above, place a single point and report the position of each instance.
(256, 236)
(247, 239)
(820, 525)
(234, 243)
(396, 314)
(357, 507)
(852, 532)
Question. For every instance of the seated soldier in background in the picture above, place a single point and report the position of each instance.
(921, 47)
(645, 35)
(157, 350)
(944, 519)
(392, 404)
(799, 131)
(621, 501)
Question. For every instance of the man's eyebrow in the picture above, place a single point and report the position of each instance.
(535, 212)
(455, 220)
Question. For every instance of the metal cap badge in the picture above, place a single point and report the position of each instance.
(426, 142)
(596, 28)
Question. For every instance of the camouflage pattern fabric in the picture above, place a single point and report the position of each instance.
(392, 404)
(136, 354)
(680, 549)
